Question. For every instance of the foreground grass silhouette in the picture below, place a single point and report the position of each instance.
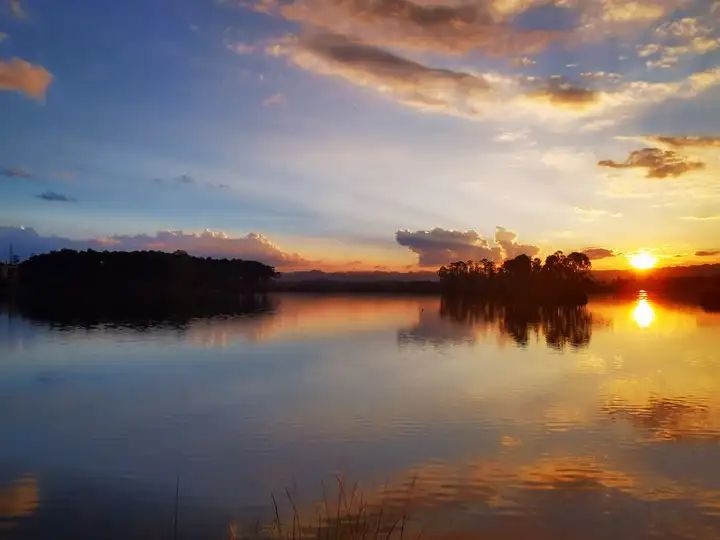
(346, 516)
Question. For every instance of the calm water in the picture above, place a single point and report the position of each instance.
(600, 422)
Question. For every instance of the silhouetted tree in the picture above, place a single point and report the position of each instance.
(561, 278)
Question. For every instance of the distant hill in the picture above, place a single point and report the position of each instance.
(700, 270)
(431, 275)
(357, 277)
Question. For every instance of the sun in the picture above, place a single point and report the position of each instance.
(643, 261)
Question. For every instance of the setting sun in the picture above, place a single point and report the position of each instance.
(643, 261)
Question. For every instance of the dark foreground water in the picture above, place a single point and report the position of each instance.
(591, 423)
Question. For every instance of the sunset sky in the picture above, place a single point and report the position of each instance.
(362, 134)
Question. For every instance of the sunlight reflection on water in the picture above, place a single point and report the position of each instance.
(643, 313)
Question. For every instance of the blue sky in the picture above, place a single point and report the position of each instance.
(324, 127)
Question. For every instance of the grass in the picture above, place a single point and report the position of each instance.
(345, 516)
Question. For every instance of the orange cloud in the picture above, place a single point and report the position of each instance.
(21, 76)
(453, 29)
(658, 163)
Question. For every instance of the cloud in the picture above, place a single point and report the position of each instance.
(439, 246)
(595, 253)
(707, 253)
(16, 172)
(240, 48)
(657, 162)
(252, 246)
(479, 95)
(564, 94)
(687, 141)
(17, 9)
(449, 28)
(275, 100)
(511, 249)
(20, 76)
(54, 197)
(185, 179)
(410, 83)
(591, 214)
(702, 218)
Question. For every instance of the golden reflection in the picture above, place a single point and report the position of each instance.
(643, 313)
(19, 499)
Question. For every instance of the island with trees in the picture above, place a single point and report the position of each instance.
(155, 284)
(559, 279)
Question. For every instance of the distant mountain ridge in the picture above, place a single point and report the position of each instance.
(428, 275)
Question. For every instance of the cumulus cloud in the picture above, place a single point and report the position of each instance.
(439, 246)
(20, 76)
(658, 163)
(707, 253)
(507, 241)
(54, 197)
(252, 246)
(16, 172)
(594, 253)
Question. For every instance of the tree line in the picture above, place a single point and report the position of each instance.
(561, 278)
(138, 282)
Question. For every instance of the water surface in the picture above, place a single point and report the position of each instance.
(593, 422)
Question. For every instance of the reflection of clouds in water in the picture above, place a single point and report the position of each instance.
(303, 316)
(20, 499)
(667, 419)
(518, 495)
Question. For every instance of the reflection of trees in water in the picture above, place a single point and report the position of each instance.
(461, 320)
(153, 312)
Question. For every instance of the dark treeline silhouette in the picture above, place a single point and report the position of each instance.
(560, 279)
(140, 284)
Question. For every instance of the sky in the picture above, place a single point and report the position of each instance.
(362, 134)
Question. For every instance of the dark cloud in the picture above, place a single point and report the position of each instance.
(657, 162)
(681, 142)
(55, 197)
(252, 246)
(707, 253)
(16, 172)
(565, 94)
(185, 179)
(409, 82)
(595, 253)
(440, 246)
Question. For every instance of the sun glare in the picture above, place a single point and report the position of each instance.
(643, 313)
(643, 261)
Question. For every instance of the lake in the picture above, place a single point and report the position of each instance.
(597, 422)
